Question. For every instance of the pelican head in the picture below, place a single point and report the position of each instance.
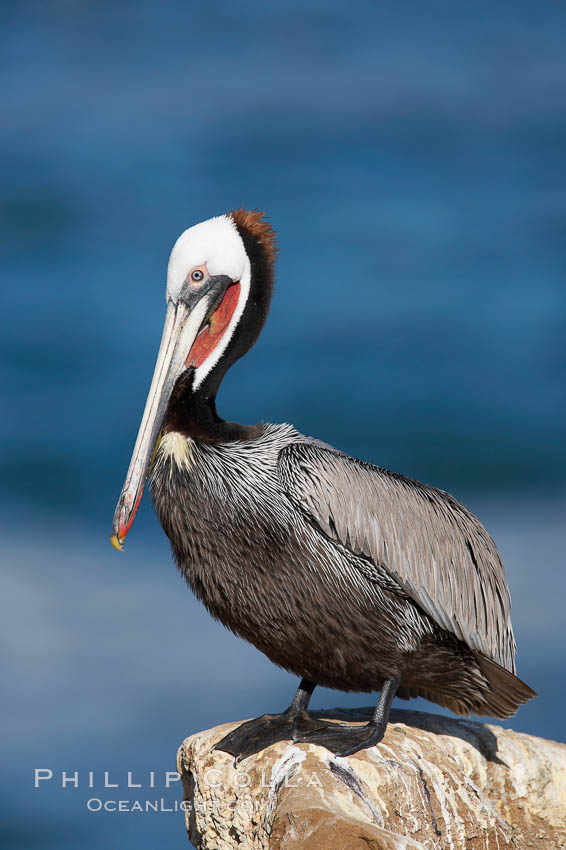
(213, 268)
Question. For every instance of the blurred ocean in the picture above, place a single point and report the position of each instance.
(412, 158)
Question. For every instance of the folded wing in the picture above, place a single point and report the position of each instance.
(436, 550)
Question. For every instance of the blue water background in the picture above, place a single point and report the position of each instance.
(412, 158)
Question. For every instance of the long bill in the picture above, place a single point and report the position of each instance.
(181, 329)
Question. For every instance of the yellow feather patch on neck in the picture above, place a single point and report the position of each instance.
(177, 447)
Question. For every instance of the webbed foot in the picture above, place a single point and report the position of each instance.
(295, 724)
(255, 735)
(258, 734)
(344, 740)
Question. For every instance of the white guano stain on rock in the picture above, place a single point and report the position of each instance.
(282, 772)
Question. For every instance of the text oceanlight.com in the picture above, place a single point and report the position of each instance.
(95, 804)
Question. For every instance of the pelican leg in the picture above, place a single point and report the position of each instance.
(346, 740)
(255, 735)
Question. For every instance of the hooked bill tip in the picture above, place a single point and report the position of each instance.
(117, 543)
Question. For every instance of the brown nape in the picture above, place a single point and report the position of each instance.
(256, 224)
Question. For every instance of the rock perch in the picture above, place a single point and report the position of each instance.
(434, 782)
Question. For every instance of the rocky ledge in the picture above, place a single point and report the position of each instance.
(433, 782)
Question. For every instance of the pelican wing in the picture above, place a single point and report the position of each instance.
(436, 550)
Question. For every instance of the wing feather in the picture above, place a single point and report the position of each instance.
(437, 551)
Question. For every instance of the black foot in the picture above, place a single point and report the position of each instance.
(255, 735)
(344, 740)
(296, 725)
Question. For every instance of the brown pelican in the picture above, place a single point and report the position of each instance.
(346, 574)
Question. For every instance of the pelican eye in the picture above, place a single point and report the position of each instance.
(197, 275)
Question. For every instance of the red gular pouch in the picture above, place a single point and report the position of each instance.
(209, 337)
